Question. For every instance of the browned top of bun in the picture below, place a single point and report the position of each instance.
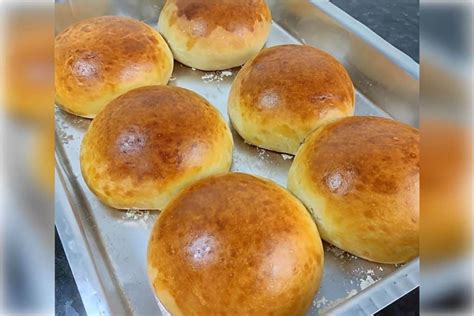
(360, 178)
(365, 154)
(154, 132)
(295, 81)
(235, 244)
(231, 15)
(105, 50)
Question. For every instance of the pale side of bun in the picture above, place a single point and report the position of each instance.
(151, 142)
(359, 177)
(283, 94)
(235, 244)
(215, 35)
(98, 59)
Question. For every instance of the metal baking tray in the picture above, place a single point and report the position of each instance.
(106, 248)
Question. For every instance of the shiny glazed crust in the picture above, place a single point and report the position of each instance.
(149, 143)
(359, 176)
(285, 93)
(235, 244)
(98, 59)
(215, 35)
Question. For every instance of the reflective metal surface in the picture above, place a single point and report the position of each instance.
(107, 248)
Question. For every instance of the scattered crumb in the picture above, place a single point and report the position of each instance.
(173, 79)
(133, 214)
(226, 73)
(380, 268)
(364, 283)
(286, 157)
(320, 303)
(194, 69)
(216, 76)
(358, 272)
(262, 154)
(78, 120)
(351, 293)
(208, 77)
(138, 216)
(336, 251)
(365, 277)
(64, 136)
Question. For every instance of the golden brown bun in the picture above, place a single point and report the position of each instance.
(215, 35)
(235, 244)
(149, 143)
(100, 58)
(285, 93)
(359, 176)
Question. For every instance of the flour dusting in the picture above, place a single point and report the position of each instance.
(216, 76)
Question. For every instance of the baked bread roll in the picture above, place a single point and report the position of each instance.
(235, 244)
(100, 58)
(359, 177)
(286, 92)
(149, 143)
(215, 35)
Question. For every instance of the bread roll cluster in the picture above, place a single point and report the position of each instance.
(233, 243)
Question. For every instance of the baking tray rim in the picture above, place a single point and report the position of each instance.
(85, 272)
